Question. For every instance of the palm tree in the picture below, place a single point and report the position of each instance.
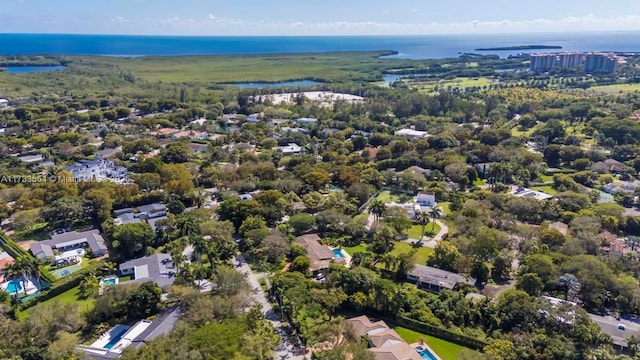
(389, 261)
(377, 208)
(22, 268)
(200, 246)
(423, 219)
(435, 213)
(88, 285)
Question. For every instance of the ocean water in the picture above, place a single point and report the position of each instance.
(30, 69)
(411, 47)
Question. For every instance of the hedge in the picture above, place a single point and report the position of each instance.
(16, 251)
(62, 285)
(437, 331)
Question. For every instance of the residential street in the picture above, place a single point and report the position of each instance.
(284, 350)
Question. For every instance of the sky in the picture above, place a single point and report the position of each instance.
(316, 17)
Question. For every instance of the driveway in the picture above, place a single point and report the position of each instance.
(431, 243)
(285, 349)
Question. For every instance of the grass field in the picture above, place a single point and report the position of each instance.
(546, 178)
(255, 68)
(354, 249)
(479, 182)
(546, 188)
(421, 257)
(69, 297)
(444, 349)
(446, 206)
(616, 88)
(387, 197)
(416, 230)
(455, 83)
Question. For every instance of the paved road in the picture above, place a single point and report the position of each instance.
(285, 349)
(610, 325)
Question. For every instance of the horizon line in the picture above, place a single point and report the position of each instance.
(327, 35)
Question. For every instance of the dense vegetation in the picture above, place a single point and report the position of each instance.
(484, 143)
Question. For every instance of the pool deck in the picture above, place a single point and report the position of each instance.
(424, 345)
(30, 286)
(347, 257)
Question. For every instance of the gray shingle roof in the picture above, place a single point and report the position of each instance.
(442, 278)
(92, 238)
(158, 268)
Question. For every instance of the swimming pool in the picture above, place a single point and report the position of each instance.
(338, 253)
(114, 339)
(13, 287)
(425, 353)
(109, 281)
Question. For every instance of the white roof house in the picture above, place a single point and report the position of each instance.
(290, 149)
(306, 121)
(410, 134)
(528, 193)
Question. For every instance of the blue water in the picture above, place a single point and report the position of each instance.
(114, 339)
(274, 85)
(14, 287)
(425, 353)
(110, 282)
(32, 69)
(414, 47)
(338, 253)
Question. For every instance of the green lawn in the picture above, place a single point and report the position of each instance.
(69, 297)
(354, 249)
(444, 349)
(546, 178)
(387, 197)
(479, 182)
(416, 230)
(446, 208)
(615, 88)
(421, 257)
(546, 188)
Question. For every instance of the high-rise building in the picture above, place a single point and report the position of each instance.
(570, 60)
(601, 63)
(542, 62)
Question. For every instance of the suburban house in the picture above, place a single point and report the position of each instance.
(290, 149)
(434, 280)
(609, 165)
(411, 134)
(383, 341)
(44, 250)
(426, 199)
(87, 170)
(321, 256)
(528, 193)
(288, 130)
(329, 131)
(253, 118)
(150, 213)
(306, 121)
(158, 268)
(620, 186)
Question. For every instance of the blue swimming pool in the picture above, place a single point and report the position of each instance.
(14, 287)
(109, 281)
(115, 338)
(338, 253)
(425, 353)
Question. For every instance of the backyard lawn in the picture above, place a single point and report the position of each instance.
(69, 297)
(478, 182)
(446, 208)
(444, 349)
(546, 188)
(387, 197)
(421, 257)
(354, 249)
(416, 230)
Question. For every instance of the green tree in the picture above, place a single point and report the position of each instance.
(144, 301)
(301, 222)
(130, 240)
(88, 285)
